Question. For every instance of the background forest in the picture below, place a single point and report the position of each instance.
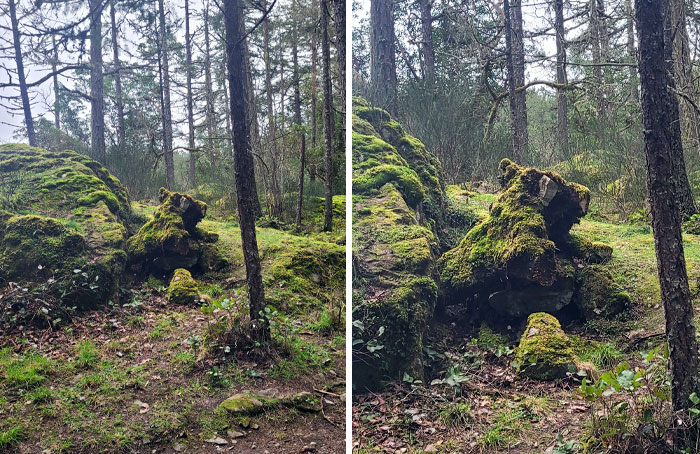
(579, 112)
(141, 87)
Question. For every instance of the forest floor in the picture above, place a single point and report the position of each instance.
(131, 377)
(478, 405)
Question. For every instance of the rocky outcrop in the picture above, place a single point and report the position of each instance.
(171, 239)
(522, 259)
(397, 204)
(72, 248)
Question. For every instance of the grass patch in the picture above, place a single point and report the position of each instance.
(88, 355)
(12, 436)
(25, 372)
(299, 357)
(163, 328)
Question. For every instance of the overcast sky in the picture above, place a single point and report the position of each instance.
(43, 96)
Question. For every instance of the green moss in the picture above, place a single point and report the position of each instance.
(545, 351)
(243, 404)
(403, 178)
(73, 244)
(598, 295)
(183, 289)
(520, 235)
(108, 197)
(304, 275)
(171, 239)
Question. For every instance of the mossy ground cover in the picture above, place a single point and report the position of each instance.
(134, 376)
(478, 404)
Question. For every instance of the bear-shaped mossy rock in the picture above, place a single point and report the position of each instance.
(72, 247)
(513, 260)
(172, 240)
(545, 351)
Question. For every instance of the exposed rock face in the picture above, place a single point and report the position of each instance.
(545, 351)
(183, 289)
(513, 260)
(399, 200)
(74, 247)
(171, 239)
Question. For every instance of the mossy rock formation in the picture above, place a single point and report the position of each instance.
(398, 203)
(384, 153)
(73, 245)
(545, 351)
(513, 260)
(183, 288)
(171, 239)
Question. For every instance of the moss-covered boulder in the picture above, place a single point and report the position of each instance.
(512, 260)
(244, 404)
(71, 248)
(171, 239)
(545, 352)
(397, 205)
(183, 289)
(384, 153)
(306, 274)
(597, 294)
(250, 404)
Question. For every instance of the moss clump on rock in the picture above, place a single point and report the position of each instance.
(396, 216)
(598, 295)
(249, 404)
(545, 351)
(171, 239)
(244, 404)
(73, 244)
(183, 288)
(590, 251)
(514, 253)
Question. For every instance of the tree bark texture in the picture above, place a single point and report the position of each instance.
(244, 164)
(662, 181)
(327, 114)
(383, 56)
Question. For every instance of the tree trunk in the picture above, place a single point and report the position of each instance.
(596, 14)
(190, 106)
(562, 100)
(121, 133)
(56, 88)
(632, 52)
(167, 115)
(243, 165)
(314, 85)
(427, 50)
(683, 73)
(662, 181)
(302, 135)
(515, 62)
(328, 114)
(339, 14)
(208, 92)
(97, 100)
(383, 56)
(19, 61)
(684, 194)
(275, 189)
